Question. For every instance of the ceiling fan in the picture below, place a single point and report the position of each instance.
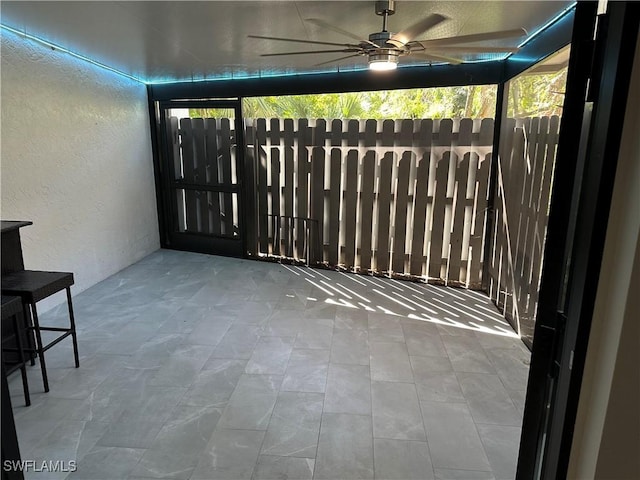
(383, 49)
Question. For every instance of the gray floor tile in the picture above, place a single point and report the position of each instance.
(251, 403)
(306, 371)
(466, 354)
(183, 366)
(345, 448)
(315, 333)
(238, 342)
(294, 426)
(390, 362)
(384, 328)
(401, 459)
(425, 365)
(452, 436)
(176, 449)
(348, 389)
(270, 356)
(70, 440)
(439, 387)
(210, 331)
(230, 454)
(131, 433)
(488, 401)
(278, 468)
(107, 463)
(512, 365)
(165, 343)
(396, 411)
(214, 386)
(350, 347)
(501, 444)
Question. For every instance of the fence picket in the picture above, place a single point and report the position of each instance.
(302, 193)
(260, 149)
(317, 202)
(419, 217)
(227, 157)
(349, 212)
(384, 212)
(436, 259)
(335, 192)
(275, 200)
(191, 199)
(212, 174)
(366, 209)
(401, 205)
(479, 223)
(457, 233)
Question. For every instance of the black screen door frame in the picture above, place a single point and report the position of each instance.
(209, 243)
(595, 102)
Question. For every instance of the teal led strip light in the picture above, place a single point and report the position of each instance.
(69, 52)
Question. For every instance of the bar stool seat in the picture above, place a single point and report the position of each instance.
(33, 286)
(12, 309)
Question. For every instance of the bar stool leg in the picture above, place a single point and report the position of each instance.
(73, 328)
(36, 327)
(23, 368)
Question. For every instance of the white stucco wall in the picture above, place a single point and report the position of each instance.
(76, 160)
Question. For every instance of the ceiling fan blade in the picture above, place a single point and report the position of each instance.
(473, 49)
(408, 34)
(297, 40)
(346, 50)
(475, 37)
(335, 60)
(328, 26)
(437, 58)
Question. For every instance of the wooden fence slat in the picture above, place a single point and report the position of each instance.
(437, 225)
(401, 205)
(457, 232)
(173, 136)
(226, 159)
(317, 203)
(543, 205)
(200, 173)
(419, 217)
(476, 242)
(191, 199)
(384, 212)
(353, 133)
(335, 192)
(288, 140)
(302, 192)
(366, 209)
(336, 132)
(275, 201)
(261, 156)
(212, 174)
(349, 213)
(524, 248)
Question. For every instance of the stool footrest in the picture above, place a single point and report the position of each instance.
(55, 342)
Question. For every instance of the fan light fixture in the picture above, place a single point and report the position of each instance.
(383, 61)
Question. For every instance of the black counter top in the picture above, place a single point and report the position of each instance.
(10, 225)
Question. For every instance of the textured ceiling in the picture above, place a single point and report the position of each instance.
(171, 41)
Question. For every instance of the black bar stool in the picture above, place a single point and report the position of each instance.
(12, 309)
(33, 286)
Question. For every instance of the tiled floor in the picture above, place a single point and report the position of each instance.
(202, 367)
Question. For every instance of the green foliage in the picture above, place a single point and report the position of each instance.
(449, 102)
(537, 95)
(529, 95)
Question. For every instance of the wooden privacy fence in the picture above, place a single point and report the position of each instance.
(403, 197)
(525, 169)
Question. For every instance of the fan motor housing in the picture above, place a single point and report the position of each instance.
(388, 7)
